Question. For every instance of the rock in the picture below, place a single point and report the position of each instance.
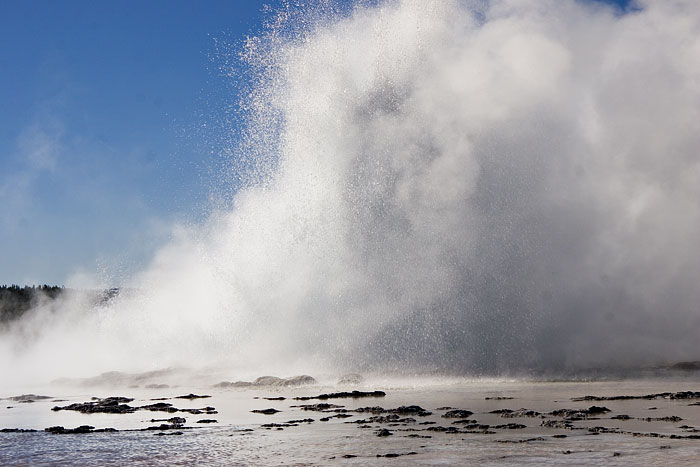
(375, 409)
(28, 398)
(508, 413)
(342, 395)
(411, 409)
(280, 398)
(108, 405)
(270, 411)
(160, 407)
(510, 426)
(17, 430)
(394, 454)
(458, 413)
(191, 397)
(320, 407)
(672, 418)
(686, 366)
(278, 425)
(579, 414)
(383, 432)
(660, 395)
(165, 426)
(174, 420)
(207, 420)
(59, 430)
(497, 398)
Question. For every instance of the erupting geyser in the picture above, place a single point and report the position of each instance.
(434, 186)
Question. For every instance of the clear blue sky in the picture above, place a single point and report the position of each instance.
(102, 129)
(108, 127)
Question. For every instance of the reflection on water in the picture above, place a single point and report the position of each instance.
(229, 442)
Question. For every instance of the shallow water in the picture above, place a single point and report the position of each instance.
(324, 443)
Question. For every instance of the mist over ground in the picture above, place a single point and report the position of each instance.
(458, 187)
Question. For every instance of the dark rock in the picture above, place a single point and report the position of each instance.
(510, 426)
(28, 398)
(278, 425)
(394, 454)
(458, 413)
(17, 430)
(508, 413)
(207, 420)
(579, 414)
(108, 405)
(602, 429)
(621, 417)
(672, 418)
(375, 409)
(556, 424)
(342, 395)
(660, 395)
(498, 398)
(519, 441)
(192, 396)
(686, 366)
(383, 432)
(348, 456)
(304, 420)
(160, 407)
(280, 398)
(411, 410)
(165, 426)
(173, 420)
(390, 418)
(321, 407)
(59, 430)
(266, 411)
(172, 433)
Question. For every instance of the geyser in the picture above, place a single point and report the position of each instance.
(441, 186)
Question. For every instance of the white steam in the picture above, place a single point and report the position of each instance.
(451, 186)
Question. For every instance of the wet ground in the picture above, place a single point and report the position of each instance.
(416, 422)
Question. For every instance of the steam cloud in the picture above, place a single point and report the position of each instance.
(462, 187)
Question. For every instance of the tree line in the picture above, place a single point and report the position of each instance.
(16, 300)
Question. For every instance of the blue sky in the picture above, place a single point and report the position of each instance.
(105, 128)
(109, 129)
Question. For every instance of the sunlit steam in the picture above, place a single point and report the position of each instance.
(459, 187)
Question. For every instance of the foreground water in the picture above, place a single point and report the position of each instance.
(647, 437)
